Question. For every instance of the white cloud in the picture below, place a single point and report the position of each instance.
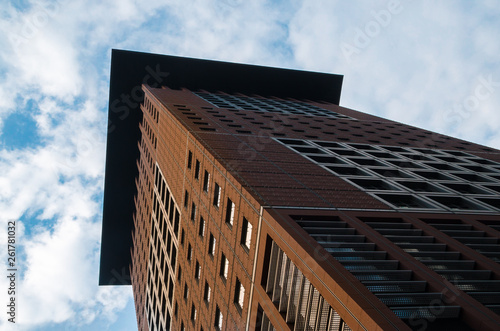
(412, 69)
(428, 58)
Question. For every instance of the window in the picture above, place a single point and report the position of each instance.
(193, 211)
(193, 313)
(229, 212)
(211, 245)
(218, 318)
(206, 293)
(197, 170)
(186, 291)
(186, 199)
(246, 233)
(190, 159)
(239, 294)
(197, 271)
(217, 195)
(189, 252)
(179, 273)
(201, 229)
(206, 181)
(224, 266)
(182, 237)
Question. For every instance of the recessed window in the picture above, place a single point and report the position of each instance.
(405, 164)
(246, 233)
(224, 266)
(465, 188)
(472, 177)
(418, 186)
(186, 291)
(490, 201)
(239, 294)
(370, 162)
(309, 150)
(326, 159)
(218, 318)
(293, 142)
(186, 199)
(374, 184)
(349, 171)
(441, 166)
(190, 159)
(391, 173)
(201, 227)
(230, 212)
(207, 293)
(197, 170)
(197, 271)
(206, 181)
(405, 201)
(216, 200)
(193, 211)
(457, 203)
(211, 245)
(193, 313)
(189, 252)
(493, 187)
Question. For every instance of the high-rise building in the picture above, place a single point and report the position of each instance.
(242, 197)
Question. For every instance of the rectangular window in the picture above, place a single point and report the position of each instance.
(193, 211)
(186, 199)
(230, 212)
(179, 273)
(197, 271)
(201, 229)
(239, 294)
(206, 293)
(246, 233)
(211, 245)
(186, 291)
(193, 313)
(197, 170)
(217, 195)
(224, 266)
(190, 159)
(218, 318)
(206, 181)
(189, 252)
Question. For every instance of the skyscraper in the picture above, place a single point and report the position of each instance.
(242, 197)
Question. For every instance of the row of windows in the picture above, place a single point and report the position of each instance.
(267, 105)
(410, 177)
(239, 298)
(246, 231)
(300, 304)
(149, 132)
(165, 220)
(152, 110)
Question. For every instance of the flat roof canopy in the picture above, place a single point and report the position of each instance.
(129, 70)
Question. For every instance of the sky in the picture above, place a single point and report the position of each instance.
(432, 64)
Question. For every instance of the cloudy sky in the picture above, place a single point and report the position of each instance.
(433, 64)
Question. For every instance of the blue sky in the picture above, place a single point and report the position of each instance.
(427, 63)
